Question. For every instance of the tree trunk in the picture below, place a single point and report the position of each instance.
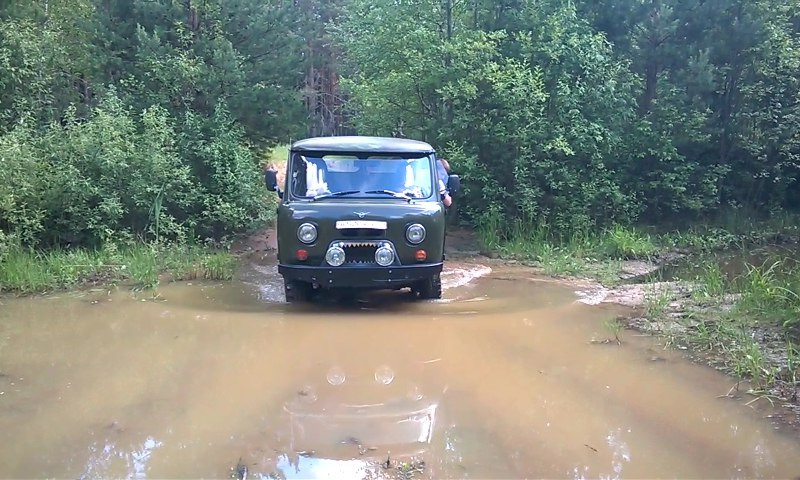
(650, 84)
(651, 54)
(449, 16)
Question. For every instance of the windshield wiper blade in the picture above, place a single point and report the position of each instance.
(335, 194)
(392, 193)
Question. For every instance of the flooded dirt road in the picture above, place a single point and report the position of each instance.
(507, 377)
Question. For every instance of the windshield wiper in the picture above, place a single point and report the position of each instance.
(392, 193)
(335, 194)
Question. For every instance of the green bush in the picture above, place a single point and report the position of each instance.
(124, 175)
(230, 196)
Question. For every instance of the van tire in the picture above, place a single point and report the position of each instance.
(430, 288)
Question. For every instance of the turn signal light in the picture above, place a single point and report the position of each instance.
(301, 255)
(421, 255)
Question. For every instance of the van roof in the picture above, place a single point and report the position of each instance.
(358, 144)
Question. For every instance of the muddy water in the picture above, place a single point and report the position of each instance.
(507, 377)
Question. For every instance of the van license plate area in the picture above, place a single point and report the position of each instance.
(371, 224)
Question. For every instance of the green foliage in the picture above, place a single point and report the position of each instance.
(657, 302)
(231, 196)
(81, 182)
(140, 119)
(675, 108)
(579, 115)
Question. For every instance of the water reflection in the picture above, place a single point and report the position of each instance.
(361, 422)
(109, 460)
(621, 452)
(301, 467)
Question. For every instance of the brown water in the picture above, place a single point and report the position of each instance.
(501, 379)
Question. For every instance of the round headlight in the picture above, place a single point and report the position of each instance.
(384, 256)
(307, 233)
(415, 233)
(334, 256)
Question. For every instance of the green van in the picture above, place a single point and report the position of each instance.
(361, 213)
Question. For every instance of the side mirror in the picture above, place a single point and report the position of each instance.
(271, 181)
(453, 184)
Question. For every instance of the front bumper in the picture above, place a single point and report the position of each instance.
(360, 276)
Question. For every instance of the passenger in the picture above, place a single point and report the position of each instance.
(442, 174)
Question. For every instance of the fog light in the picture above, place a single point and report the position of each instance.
(384, 256)
(301, 255)
(335, 256)
(421, 255)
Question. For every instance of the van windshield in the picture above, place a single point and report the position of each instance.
(374, 176)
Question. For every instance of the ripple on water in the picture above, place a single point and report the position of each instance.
(269, 283)
(460, 275)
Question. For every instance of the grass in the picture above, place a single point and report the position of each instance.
(732, 316)
(614, 327)
(597, 253)
(627, 243)
(656, 302)
(770, 292)
(277, 158)
(582, 253)
(144, 266)
(712, 283)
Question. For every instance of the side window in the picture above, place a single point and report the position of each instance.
(309, 176)
(299, 176)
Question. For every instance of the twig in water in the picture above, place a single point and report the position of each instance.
(728, 395)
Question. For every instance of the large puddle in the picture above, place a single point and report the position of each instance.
(507, 377)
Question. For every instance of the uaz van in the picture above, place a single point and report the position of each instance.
(361, 213)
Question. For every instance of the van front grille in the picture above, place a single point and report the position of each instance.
(360, 252)
(361, 255)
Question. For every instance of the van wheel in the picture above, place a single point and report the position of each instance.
(296, 291)
(430, 288)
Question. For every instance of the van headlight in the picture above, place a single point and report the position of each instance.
(415, 233)
(307, 233)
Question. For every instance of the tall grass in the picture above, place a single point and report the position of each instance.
(143, 266)
(768, 293)
(578, 252)
(772, 292)
(627, 243)
(712, 282)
